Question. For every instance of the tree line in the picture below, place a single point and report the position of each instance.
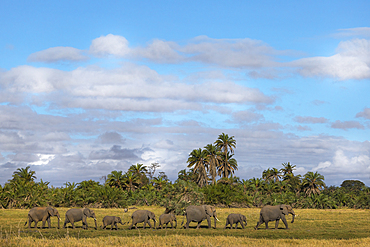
(140, 185)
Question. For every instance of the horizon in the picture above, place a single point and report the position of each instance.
(90, 87)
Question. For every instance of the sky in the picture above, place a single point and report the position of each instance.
(89, 87)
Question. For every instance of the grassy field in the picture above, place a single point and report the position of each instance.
(339, 227)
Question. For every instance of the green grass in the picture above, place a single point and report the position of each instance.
(316, 227)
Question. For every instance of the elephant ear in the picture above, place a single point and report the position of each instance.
(87, 212)
(208, 210)
(50, 211)
(284, 208)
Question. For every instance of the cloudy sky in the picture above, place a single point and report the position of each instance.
(88, 87)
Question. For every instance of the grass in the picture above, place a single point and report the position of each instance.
(312, 227)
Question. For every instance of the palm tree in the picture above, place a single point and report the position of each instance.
(313, 183)
(159, 183)
(227, 166)
(130, 181)
(275, 174)
(224, 143)
(115, 179)
(267, 175)
(25, 174)
(140, 170)
(288, 169)
(198, 159)
(213, 160)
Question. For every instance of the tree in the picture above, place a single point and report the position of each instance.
(130, 181)
(313, 183)
(152, 168)
(115, 179)
(24, 174)
(288, 169)
(226, 143)
(198, 160)
(213, 160)
(352, 185)
(140, 170)
(227, 166)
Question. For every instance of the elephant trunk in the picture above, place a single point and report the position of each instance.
(154, 222)
(96, 226)
(58, 222)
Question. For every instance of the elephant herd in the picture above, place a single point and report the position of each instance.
(192, 213)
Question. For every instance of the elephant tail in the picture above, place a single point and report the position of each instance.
(25, 223)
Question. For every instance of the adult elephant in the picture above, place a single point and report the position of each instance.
(198, 214)
(43, 214)
(140, 216)
(271, 213)
(77, 214)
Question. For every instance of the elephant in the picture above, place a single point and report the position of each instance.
(76, 214)
(112, 221)
(271, 213)
(235, 218)
(198, 214)
(164, 219)
(37, 214)
(142, 216)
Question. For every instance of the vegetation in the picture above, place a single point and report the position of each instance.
(312, 227)
(140, 185)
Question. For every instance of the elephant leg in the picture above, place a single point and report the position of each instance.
(259, 223)
(36, 221)
(150, 225)
(198, 226)
(116, 226)
(236, 225)
(241, 223)
(267, 224)
(285, 222)
(49, 223)
(171, 224)
(277, 224)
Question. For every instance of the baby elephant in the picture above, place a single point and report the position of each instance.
(112, 221)
(235, 218)
(164, 219)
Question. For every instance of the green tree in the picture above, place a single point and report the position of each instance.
(24, 174)
(198, 160)
(115, 179)
(140, 171)
(130, 181)
(313, 183)
(227, 166)
(353, 185)
(287, 169)
(213, 160)
(226, 143)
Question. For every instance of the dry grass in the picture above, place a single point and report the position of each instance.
(340, 227)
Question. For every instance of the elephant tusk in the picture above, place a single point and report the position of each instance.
(217, 219)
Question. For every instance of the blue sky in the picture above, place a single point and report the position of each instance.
(88, 87)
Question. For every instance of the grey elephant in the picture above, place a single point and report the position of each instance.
(43, 214)
(198, 214)
(164, 219)
(112, 221)
(271, 213)
(140, 216)
(235, 218)
(77, 214)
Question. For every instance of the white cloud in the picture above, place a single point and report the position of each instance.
(341, 164)
(56, 54)
(352, 61)
(110, 45)
(364, 114)
(358, 31)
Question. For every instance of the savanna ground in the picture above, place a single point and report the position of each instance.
(312, 227)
